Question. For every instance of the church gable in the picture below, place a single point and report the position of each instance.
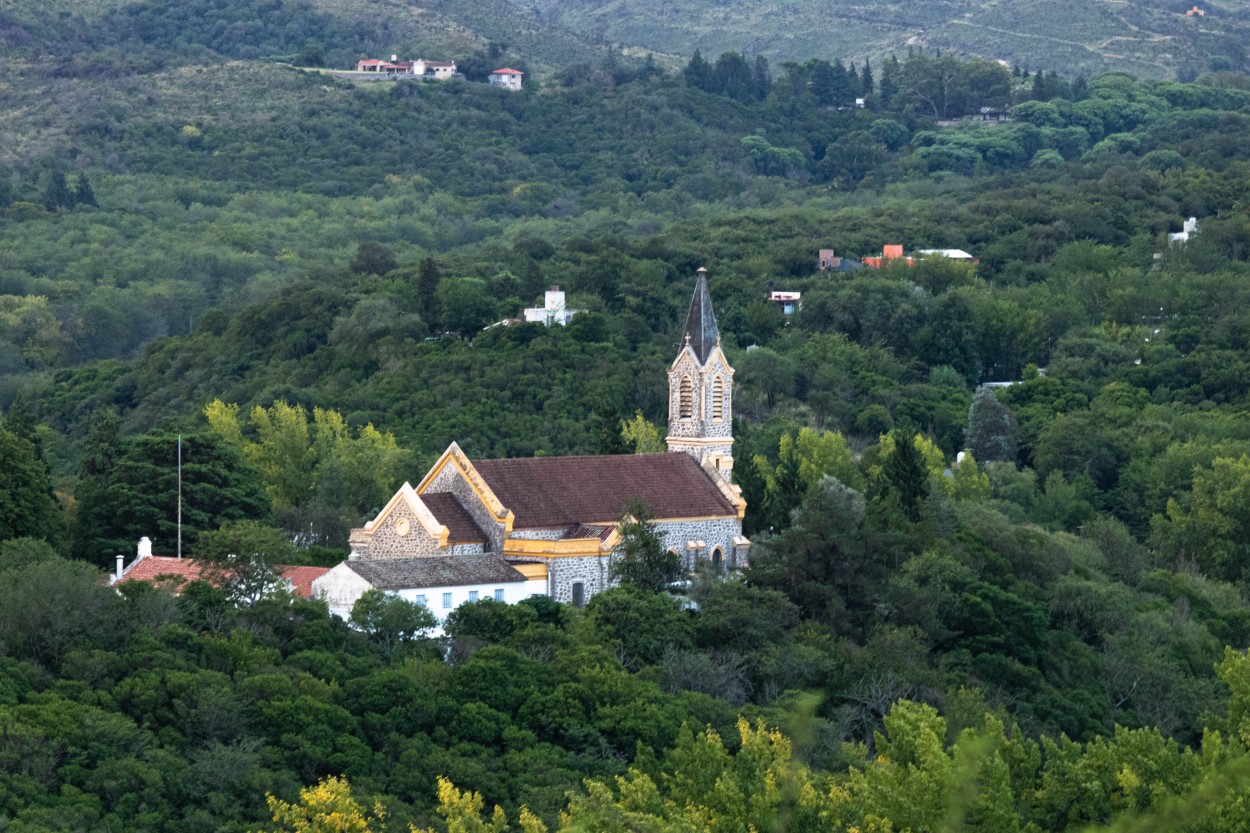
(403, 529)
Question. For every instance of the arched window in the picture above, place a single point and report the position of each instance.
(685, 398)
(579, 594)
(718, 399)
(718, 560)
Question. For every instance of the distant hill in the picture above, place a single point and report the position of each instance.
(1149, 38)
(111, 36)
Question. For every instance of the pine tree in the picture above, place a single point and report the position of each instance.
(866, 81)
(84, 194)
(428, 278)
(697, 73)
(903, 473)
(27, 506)
(991, 433)
(56, 193)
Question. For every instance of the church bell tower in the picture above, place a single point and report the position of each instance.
(700, 390)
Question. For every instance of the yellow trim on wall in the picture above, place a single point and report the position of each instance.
(457, 457)
(531, 571)
(536, 546)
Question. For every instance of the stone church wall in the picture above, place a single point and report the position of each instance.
(450, 480)
(386, 541)
(593, 571)
(715, 533)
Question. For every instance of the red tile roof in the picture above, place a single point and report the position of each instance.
(156, 567)
(159, 568)
(506, 71)
(451, 514)
(562, 491)
(301, 578)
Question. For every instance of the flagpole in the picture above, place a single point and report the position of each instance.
(180, 496)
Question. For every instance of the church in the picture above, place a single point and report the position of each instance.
(510, 529)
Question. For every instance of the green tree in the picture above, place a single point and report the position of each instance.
(642, 436)
(904, 475)
(244, 555)
(643, 562)
(391, 621)
(84, 194)
(143, 491)
(372, 259)
(56, 192)
(991, 433)
(27, 505)
(465, 305)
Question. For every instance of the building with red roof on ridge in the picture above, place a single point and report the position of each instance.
(509, 79)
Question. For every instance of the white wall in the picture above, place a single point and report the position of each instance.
(513, 592)
(341, 587)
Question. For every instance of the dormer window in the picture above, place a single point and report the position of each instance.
(685, 398)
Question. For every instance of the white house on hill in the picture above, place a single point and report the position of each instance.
(509, 79)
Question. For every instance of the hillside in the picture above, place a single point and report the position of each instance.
(1150, 38)
(115, 36)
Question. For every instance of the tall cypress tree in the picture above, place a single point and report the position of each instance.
(84, 194)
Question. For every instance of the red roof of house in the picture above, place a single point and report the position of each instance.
(506, 71)
(157, 568)
(562, 491)
(301, 578)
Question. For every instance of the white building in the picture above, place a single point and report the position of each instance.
(509, 79)
(553, 310)
(441, 583)
(790, 302)
(1190, 227)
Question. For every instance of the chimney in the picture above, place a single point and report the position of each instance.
(121, 568)
(145, 548)
(394, 58)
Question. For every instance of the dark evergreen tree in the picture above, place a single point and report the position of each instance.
(27, 506)
(762, 78)
(644, 562)
(866, 81)
(697, 73)
(140, 495)
(94, 516)
(56, 193)
(888, 86)
(372, 259)
(991, 433)
(428, 278)
(84, 194)
(903, 474)
(605, 432)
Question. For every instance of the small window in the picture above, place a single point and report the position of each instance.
(499, 595)
(579, 594)
(718, 560)
(685, 398)
(422, 600)
(718, 399)
(473, 595)
(446, 601)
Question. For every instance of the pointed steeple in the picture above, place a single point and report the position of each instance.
(701, 332)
